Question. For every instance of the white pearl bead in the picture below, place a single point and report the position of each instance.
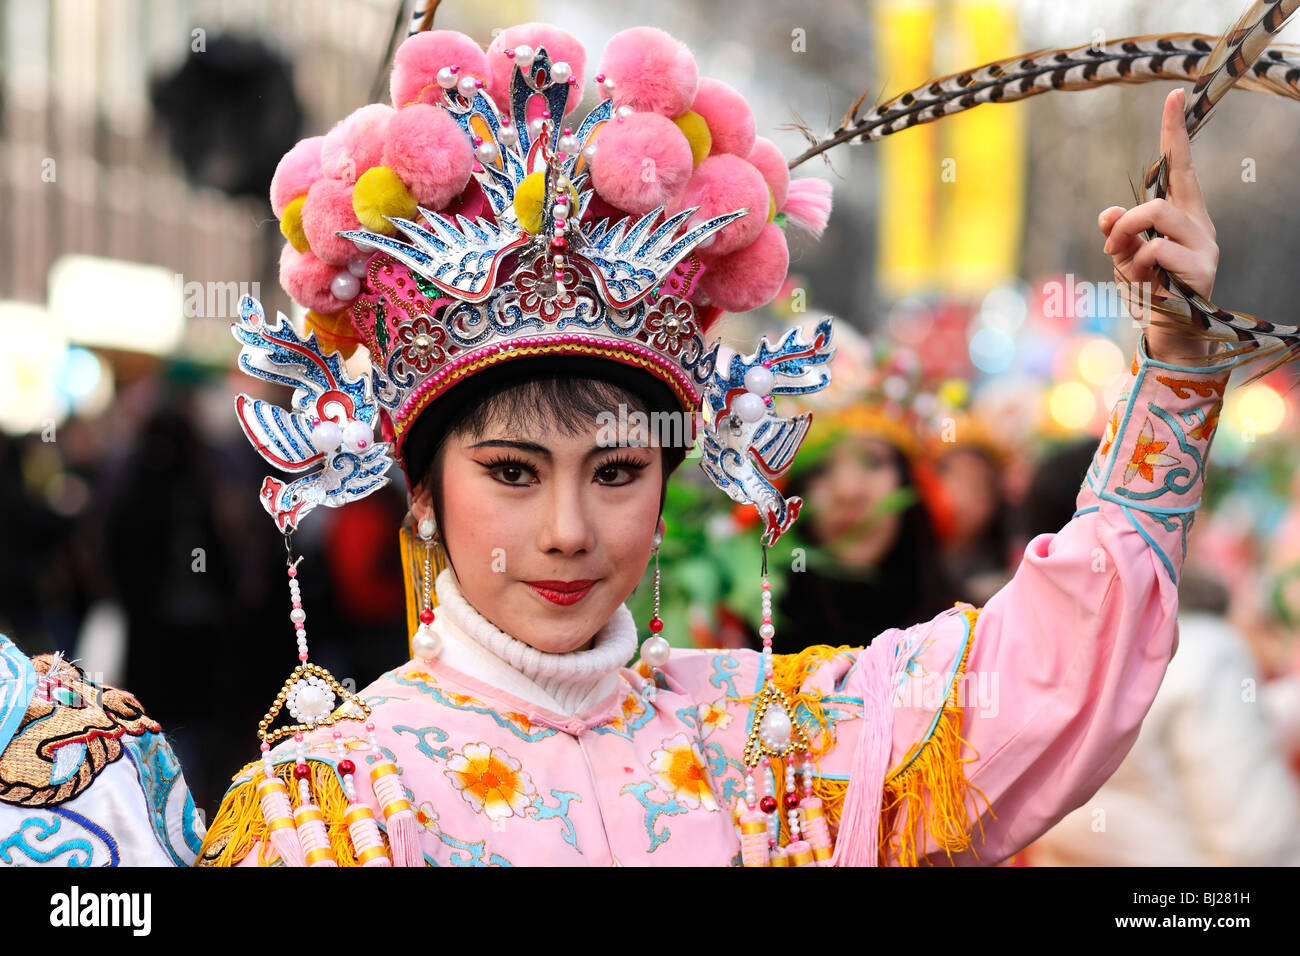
(609, 86)
(775, 727)
(560, 72)
(624, 110)
(767, 632)
(297, 615)
(569, 144)
(358, 267)
(427, 528)
(357, 435)
(345, 286)
(589, 151)
(536, 127)
(759, 380)
(486, 152)
(508, 134)
(655, 651)
(749, 407)
(467, 87)
(426, 643)
(524, 55)
(446, 78)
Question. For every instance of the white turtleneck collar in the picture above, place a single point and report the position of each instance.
(564, 683)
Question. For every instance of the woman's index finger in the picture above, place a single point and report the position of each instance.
(1184, 187)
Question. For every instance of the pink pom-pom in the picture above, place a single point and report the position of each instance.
(356, 142)
(419, 58)
(430, 153)
(749, 277)
(723, 184)
(327, 210)
(641, 162)
(731, 121)
(652, 71)
(767, 159)
(295, 173)
(561, 47)
(808, 205)
(307, 280)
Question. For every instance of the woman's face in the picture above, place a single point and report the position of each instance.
(523, 511)
(846, 496)
(970, 478)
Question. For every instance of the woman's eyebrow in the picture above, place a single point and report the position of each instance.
(529, 446)
(545, 452)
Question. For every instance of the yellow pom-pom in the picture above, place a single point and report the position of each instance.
(529, 198)
(334, 332)
(291, 225)
(696, 131)
(771, 205)
(380, 192)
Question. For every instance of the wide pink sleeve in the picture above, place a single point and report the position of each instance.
(1044, 698)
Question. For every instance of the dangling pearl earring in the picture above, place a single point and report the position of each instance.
(656, 649)
(425, 642)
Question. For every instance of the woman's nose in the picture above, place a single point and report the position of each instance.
(566, 526)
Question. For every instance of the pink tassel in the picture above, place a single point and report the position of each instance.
(313, 835)
(366, 841)
(857, 843)
(808, 205)
(816, 830)
(403, 830)
(753, 838)
(278, 815)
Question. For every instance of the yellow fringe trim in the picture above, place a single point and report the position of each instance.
(926, 795)
(238, 825)
(932, 768)
(413, 554)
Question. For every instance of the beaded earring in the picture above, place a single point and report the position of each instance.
(425, 642)
(656, 649)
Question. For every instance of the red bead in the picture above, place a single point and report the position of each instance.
(656, 625)
(426, 616)
(791, 801)
(559, 242)
(767, 804)
(293, 572)
(302, 772)
(347, 766)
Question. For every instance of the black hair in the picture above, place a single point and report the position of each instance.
(530, 394)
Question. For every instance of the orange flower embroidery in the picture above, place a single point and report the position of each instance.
(1204, 430)
(679, 770)
(491, 781)
(1147, 455)
(1112, 429)
(714, 716)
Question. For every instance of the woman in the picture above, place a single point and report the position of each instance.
(515, 735)
(870, 523)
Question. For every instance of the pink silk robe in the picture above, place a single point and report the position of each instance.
(1044, 695)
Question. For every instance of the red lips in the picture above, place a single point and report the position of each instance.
(562, 592)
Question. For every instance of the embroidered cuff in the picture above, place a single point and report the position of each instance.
(1151, 461)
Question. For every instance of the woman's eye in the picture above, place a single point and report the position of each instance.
(511, 473)
(618, 473)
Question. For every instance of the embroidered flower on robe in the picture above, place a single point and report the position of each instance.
(491, 781)
(1147, 455)
(427, 817)
(1205, 430)
(1112, 429)
(679, 771)
(714, 716)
